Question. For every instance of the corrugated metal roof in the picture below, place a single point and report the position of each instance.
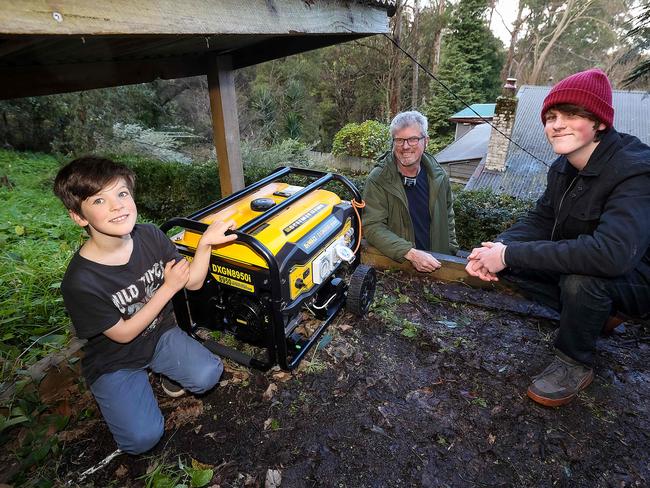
(472, 145)
(524, 176)
(483, 109)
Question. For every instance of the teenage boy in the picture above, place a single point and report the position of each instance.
(585, 247)
(117, 290)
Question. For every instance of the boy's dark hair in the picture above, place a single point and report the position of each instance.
(571, 109)
(86, 176)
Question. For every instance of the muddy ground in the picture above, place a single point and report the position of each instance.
(424, 391)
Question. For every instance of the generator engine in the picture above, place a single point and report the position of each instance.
(296, 257)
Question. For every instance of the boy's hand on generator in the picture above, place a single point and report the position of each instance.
(177, 273)
(215, 234)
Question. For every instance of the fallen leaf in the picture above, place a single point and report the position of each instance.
(491, 439)
(197, 429)
(345, 327)
(267, 423)
(270, 391)
(273, 478)
(199, 465)
(187, 412)
(121, 471)
(281, 376)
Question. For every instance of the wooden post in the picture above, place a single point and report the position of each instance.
(225, 124)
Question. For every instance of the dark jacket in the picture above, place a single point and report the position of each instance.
(592, 222)
(387, 223)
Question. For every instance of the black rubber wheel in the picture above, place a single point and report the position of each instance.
(361, 290)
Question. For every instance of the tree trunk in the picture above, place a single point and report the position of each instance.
(506, 72)
(437, 38)
(570, 15)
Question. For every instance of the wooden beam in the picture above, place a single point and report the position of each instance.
(225, 124)
(16, 82)
(286, 46)
(452, 269)
(205, 17)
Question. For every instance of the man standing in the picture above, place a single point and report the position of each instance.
(585, 247)
(408, 199)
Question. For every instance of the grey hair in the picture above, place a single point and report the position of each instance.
(408, 119)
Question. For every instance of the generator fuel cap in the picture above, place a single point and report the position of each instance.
(262, 204)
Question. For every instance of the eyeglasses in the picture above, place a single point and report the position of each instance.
(412, 141)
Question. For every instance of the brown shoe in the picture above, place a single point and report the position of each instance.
(560, 382)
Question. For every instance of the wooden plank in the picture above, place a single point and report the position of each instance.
(285, 46)
(16, 82)
(74, 17)
(40, 369)
(225, 124)
(452, 269)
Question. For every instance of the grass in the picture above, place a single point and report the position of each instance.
(37, 239)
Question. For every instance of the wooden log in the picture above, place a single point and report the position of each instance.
(461, 287)
(452, 269)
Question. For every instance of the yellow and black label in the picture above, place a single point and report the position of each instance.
(233, 277)
(303, 218)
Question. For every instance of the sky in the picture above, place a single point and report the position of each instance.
(505, 13)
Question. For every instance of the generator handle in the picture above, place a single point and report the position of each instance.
(276, 175)
(319, 174)
(322, 181)
(185, 223)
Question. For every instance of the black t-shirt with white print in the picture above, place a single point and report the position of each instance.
(97, 296)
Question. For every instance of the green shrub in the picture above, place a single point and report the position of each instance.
(482, 214)
(167, 189)
(260, 161)
(366, 140)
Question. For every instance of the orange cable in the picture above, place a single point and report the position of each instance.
(356, 205)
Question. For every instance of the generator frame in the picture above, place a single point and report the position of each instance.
(277, 351)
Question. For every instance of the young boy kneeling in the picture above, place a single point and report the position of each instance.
(117, 290)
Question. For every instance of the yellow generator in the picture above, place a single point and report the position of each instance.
(296, 259)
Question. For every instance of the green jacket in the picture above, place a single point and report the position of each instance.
(386, 220)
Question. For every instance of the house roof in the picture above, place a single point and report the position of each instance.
(524, 176)
(485, 110)
(67, 45)
(473, 145)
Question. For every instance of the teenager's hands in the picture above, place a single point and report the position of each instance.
(176, 274)
(486, 261)
(215, 233)
(422, 260)
(474, 268)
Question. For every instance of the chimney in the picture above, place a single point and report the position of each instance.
(504, 119)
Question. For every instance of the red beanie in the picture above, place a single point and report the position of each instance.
(588, 89)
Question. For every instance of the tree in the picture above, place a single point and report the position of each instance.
(561, 37)
(470, 63)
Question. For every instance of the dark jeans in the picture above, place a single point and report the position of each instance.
(584, 303)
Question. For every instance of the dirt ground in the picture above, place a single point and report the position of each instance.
(424, 391)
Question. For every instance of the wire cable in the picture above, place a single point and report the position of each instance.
(431, 75)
